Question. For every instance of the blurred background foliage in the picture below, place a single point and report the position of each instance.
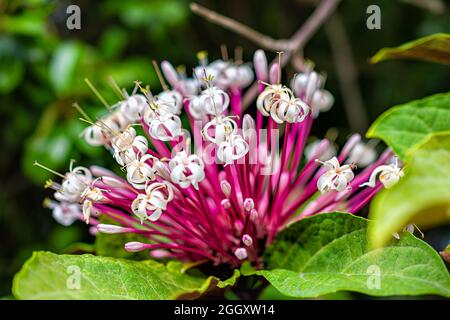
(43, 64)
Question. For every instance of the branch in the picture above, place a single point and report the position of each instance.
(347, 74)
(293, 44)
(260, 39)
(289, 47)
(298, 40)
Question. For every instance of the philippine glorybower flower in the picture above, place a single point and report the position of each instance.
(223, 189)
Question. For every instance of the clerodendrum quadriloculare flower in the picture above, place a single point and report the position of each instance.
(225, 196)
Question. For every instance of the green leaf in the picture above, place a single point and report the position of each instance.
(63, 67)
(435, 48)
(422, 196)
(404, 126)
(329, 252)
(46, 276)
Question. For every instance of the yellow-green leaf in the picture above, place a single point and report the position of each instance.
(435, 48)
(422, 196)
(404, 126)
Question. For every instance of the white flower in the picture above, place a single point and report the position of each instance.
(64, 213)
(196, 108)
(306, 84)
(100, 133)
(315, 147)
(188, 86)
(89, 196)
(221, 126)
(186, 170)
(164, 127)
(292, 110)
(127, 146)
(336, 177)
(245, 76)
(362, 154)
(322, 101)
(271, 94)
(169, 102)
(214, 101)
(133, 107)
(389, 175)
(149, 205)
(140, 172)
(74, 184)
(235, 147)
(233, 76)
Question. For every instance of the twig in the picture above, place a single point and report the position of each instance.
(347, 73)
(260, 39)
(289, 47)
(306, 31)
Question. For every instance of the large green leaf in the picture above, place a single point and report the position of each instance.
(45, 276)
(422, 196)
(435, 48)
(406, 125)
(329, 252)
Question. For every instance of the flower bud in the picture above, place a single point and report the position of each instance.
(241, 253)
(247, 240)
(226, 188)
(249, 204)
(111, 229)
(169, 73)
(226, 204)
(135, 246)
(253, 215)
(273, 74)
(260, 64)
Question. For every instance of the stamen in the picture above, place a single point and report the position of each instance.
(238, 55)
(99, 96)
(202, 57)
(48, 169)
(116, 88)
(81, 111)
(224, 52)
(279, 66)
(159, 75)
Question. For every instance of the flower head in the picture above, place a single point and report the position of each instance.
(226, 197)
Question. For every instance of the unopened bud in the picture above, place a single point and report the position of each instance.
(260, 64)
(111, 229)
(169, 73)
(249, 204)
(226, 204)
(247, 240)
(226, 188)
(253, 215)
(241, 253)
(135, 246)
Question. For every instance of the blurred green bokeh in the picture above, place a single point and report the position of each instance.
(43, 64)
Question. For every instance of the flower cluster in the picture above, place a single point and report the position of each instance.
(225, 196)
